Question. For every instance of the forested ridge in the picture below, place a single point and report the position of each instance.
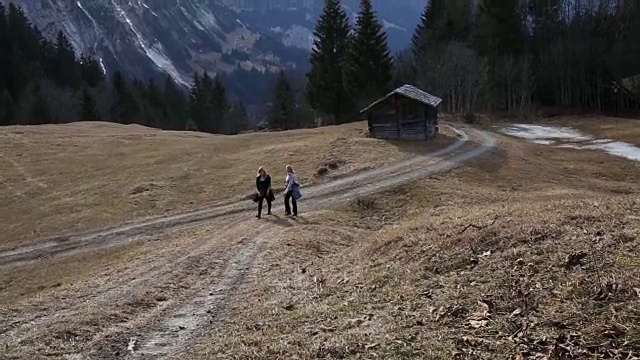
(42, 81)
(512, 56)
(478, 55)
(491, 56)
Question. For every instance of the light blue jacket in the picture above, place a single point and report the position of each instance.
(289, 181)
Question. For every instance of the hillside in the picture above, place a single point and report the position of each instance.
(87, 175)
(527, 253)
(479, 245)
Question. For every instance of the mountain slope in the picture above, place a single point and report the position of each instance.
(147, 38)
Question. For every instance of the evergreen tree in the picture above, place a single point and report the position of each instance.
(40, 111)
(4, 47)
(281, 114)
(500, 28)
(89, 111)
(91, 71)
(431, 16)
(325, 89)
(176, 106)
(7, 108)
(155, 114)
(237, 118)
(67, 70)
(124, 109)
(197, 104)
(209, 123)
(220, 107)
(441, 22)
(369, 64)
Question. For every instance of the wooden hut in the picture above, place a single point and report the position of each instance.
(405, 113)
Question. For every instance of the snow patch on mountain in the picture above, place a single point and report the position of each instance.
(155, 52)
(98, 32)
(390, 25)
(298, 36)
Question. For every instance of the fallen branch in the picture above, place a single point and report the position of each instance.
(478, 227)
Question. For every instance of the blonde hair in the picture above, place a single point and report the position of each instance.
(261, 168)
(290, 169)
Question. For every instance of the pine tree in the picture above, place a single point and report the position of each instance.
(176, 106)
(500, 28)
(441, 22)
(281, 114)
(237, 118)
(220, 105)
(67, 71)
(208, 107)
(325, 89)
(430, 22)
(4, 47)
(88, 105)
(156, 110)
(197, 104)
(40, 111)
(368, 70)
(124, 108)
(7, 108)
(91, 71)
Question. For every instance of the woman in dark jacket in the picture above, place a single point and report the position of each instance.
(263, 184)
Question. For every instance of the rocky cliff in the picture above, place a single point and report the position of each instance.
(148, 37)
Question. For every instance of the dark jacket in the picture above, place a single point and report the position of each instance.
(263, 186)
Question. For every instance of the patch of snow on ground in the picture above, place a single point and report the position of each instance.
(616, 148)
(539, 132)
(549, 135)
(544, 142)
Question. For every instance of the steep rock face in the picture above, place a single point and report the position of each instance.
(147, 38)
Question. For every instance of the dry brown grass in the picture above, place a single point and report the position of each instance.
(65, 178)
(621, 129)
(49, 275)
(549, 269)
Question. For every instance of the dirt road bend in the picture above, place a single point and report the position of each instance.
(191, 282)
(363, 183)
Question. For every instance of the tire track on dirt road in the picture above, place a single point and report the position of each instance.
(145, 275)
(178, 327)
(166, 330)
(101, 309)
(139, 230)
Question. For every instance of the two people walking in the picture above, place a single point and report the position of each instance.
(291, 192)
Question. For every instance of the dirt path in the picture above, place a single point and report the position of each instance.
(201, 278)
(138, 230)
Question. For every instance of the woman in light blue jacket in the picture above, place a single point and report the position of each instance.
(290, 183)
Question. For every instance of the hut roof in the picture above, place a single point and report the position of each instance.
(410, 92)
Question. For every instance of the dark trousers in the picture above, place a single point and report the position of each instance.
(287, 208)
(262, 198)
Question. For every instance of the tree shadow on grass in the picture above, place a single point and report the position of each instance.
(491, 162)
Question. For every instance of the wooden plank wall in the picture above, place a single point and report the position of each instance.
(383, 123)
(409, 130)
